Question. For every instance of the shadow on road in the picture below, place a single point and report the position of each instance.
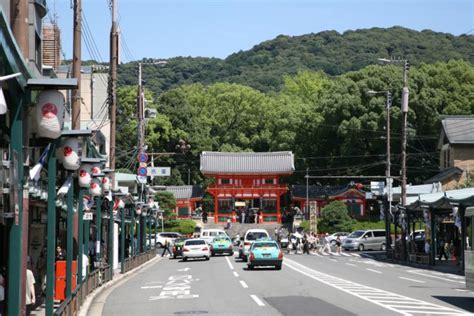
(463, 302)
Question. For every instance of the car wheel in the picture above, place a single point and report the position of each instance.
(185, 259)
(278, 267)
(244, 258)
(174, 256)
(250, 266)
(213, 254)
(383, 247)
(207, 258)
(361, 247)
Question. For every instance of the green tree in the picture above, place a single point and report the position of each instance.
(167, 202)
(335, 218)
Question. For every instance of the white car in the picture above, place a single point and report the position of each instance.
(162, 237)
(196, 248)
(209, 234)
(250, 236)
(332, 238)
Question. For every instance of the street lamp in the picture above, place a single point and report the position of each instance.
(388, 105)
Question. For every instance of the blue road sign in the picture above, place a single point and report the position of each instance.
(142, 157)
(142, 171)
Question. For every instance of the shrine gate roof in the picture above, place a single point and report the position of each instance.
(186, 191)
(281, 162)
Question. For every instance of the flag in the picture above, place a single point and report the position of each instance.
(36, 170)
(65, 187)
(3, 102)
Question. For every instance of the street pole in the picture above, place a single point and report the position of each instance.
(69, 239)
(141, 134)
(307, 192)
(122, 240)
(132, 231)
(80, 235)
(113, 90)
(98, 226)
(110, 242)
(404, 108)
(76, 67)
(388, 101)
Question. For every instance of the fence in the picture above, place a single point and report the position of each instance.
(94, 280)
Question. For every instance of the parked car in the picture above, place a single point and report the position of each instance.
(332, 238)
(250, 236)
(209, 234)
(222, 245)
(178, 247)
(265, 253)
(162, 237)
(365, 239)
(196, 248)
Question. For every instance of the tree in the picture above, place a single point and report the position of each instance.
(335, 218)
(167, 202)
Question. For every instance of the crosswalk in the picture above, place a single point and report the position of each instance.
(398, 303)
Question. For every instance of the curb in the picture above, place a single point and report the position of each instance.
(84, 310)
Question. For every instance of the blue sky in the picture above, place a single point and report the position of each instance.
(217, 28)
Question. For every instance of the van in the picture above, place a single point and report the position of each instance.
(365, 239)
(250, 236)
(209, 234)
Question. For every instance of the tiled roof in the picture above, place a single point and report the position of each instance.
(459, 129)
(186, 191)
(247, 162)
(446, 174)
(317, 191)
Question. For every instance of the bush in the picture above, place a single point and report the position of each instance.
(183, 226)
(334, 218)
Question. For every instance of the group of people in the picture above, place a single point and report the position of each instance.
(309, 242)
(248, 215)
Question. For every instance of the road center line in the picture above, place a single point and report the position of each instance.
(372, 270)
(257, 300)
(350, 264)
(236, 274)
(244, 285)
(230, 264)
(413, 280)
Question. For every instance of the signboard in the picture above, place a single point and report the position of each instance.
(87, 216)
(377, 187)
(142, 171)
(159, 171)
(141, 179)
(312, 206)
(142, 157)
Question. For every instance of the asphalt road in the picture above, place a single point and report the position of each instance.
(307, 285)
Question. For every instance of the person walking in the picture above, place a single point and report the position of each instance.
(338, 245)
(441, 250)
(30, 290)
(305, 245)
(204, 216)
(326, 244)
(166, 247)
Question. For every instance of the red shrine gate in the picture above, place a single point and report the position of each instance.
(247, 180)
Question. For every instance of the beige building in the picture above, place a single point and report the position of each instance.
(94, 108)
(456, 146)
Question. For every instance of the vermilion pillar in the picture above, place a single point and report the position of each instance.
(278, 209)
(216, 210)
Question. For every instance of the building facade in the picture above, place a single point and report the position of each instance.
(188, 198)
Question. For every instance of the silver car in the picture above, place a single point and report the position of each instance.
(365, 239)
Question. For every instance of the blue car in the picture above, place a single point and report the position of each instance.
(265, 253)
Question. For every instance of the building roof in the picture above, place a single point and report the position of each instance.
(186, 191)
(317, 191)
(446, 174)
(247, 163)
(458, 129)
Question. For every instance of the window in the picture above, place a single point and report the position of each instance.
(368, 235)
(269, 181)
(379, 234)
(225, 181)
(195, 242)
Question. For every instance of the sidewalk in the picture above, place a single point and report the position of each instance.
(118, 276)
(445, 266)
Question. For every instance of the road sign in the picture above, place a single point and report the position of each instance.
(87, 216)
(142, 157)
(159, 171)
(141, 179)
(142, 171)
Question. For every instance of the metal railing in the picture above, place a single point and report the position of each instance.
(95, 279)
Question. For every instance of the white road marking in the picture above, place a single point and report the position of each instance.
(332, 259)
(413, 280)
(355, 254)
(151, 287)
(350, 264)
(398, 303)
(376, 271)
(185, 269)
(230, 264)
(461, 290)
(345, 254)
(442, 276)
(244, 285)
(236, 274)
(257, 300)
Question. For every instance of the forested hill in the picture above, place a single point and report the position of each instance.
(263, 66)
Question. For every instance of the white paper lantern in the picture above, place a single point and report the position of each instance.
(71, 152)
(50, 113)
(96, 189)
(121, 203)
(95, 170)
(106, 184)
(85, 176)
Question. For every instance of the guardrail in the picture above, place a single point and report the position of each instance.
(94, 280)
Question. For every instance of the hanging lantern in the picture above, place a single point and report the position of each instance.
(71, 153)
(96, 170)
(106, 184)
(121, 203)
(95, 188)
(50, 114)
(85, 176)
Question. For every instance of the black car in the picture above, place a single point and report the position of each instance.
(178, 247)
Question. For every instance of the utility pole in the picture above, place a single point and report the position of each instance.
(404, 108)
(306, 209)
(113, 89)
(388, 211)
(76, 67)
(141, 125)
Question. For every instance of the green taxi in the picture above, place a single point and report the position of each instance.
(265, 253)
(223, 245)
(178, 247)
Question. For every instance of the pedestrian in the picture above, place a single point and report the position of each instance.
(30, 290)
(60, 254)
(85, 266)
(326, 244)
(228, 225)
(166, 248)
(441, 251)
(41, 266)
(305, 245)
(242, 215)
(338, 244)
(204, 216)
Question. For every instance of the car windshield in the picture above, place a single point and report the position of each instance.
(195, 242)
(265, 245)
(356, 234)
(256, 235)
